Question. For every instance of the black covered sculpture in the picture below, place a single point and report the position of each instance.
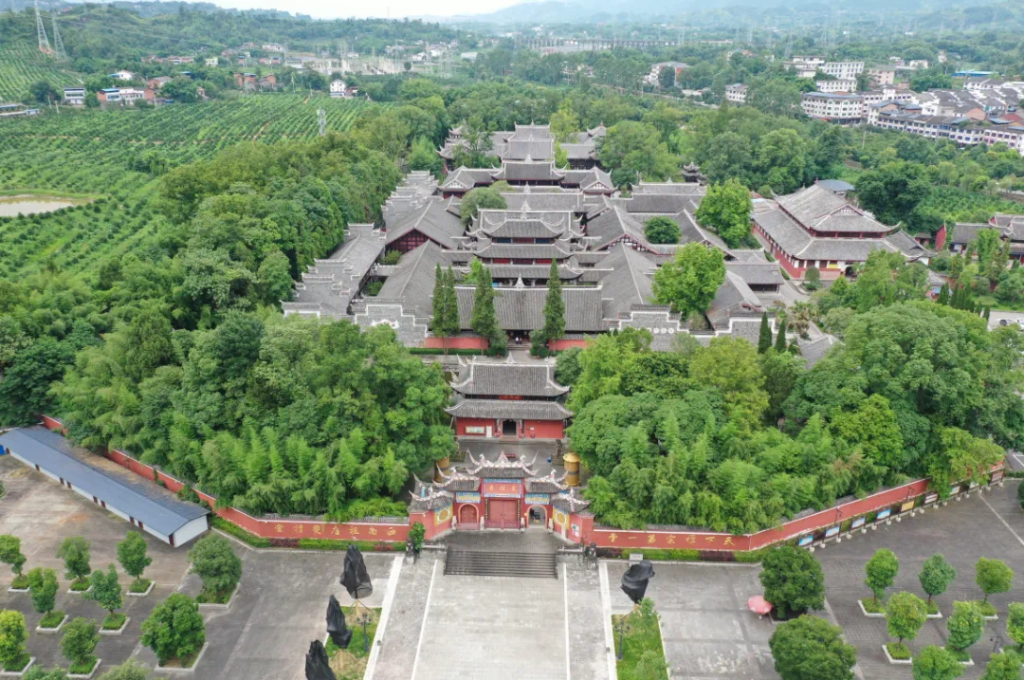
(355, 577)
(635, 580)
(318, 667)
(336, 628)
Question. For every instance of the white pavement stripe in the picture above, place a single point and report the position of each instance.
(1005, 523)
(606, 614)
(565, 590)
(389, 599)
(423, 629)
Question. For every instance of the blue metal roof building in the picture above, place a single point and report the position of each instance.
(143, 503)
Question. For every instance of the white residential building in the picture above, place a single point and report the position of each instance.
(736, 93)
(211, 62)
(338, 88)
(842, 109)
(882, 75)
(836, 85)
(123, 75)
(130, 95)
(843, 70)
(74, 96)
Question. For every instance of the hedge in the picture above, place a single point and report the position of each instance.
(239, 533)
(365, 546)
(451, 352)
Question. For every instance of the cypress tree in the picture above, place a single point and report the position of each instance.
(764, 340)
(485, 319)
(944, 295)
(445, 323)
(780, 341)
(554, 310)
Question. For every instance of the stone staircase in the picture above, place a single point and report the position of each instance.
(508, 564)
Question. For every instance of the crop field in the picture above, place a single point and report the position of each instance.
(22, 64)
(89, 153)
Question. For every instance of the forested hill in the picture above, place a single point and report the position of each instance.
(111, 33)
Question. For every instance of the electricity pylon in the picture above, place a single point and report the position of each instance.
(44, 44)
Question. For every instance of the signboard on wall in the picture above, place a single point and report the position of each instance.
(467, 496)
(954, 490)
(907, 505)
(476, 429)
(931, 498)
(858, 523)
(883, 514)
(576, 530)
(560, 518)
(997, 475)
(442, 515)
(806, 540)
(502, 489)
(831, 531)
(538, 498)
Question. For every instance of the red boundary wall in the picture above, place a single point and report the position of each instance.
(580, 528)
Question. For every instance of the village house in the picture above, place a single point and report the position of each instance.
(532, 143)
(74, 96)
(736, 93)
(122, 75)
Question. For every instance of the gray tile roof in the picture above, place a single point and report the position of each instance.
(544, 201)
(525, 225)
(413, 279)
(464, 179)
(522, 309)
(967, 232)
(528, 171)
(142, 499)
(814, 351)
(532, 149)
(679, 188)
(438, 220)
(505, 409)
(733, 298)
(524, 251)
(490, 378)
(534, 271)
(757, 273)
(819, 209)
(502, 468)
(594, 179)
(628, 283)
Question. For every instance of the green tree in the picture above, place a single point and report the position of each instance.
(690, 281)
(731, 365)
(131, 553)
(965, 626)
(661, 230)
(12, 638)
(905, 613)
(809, 648)
(106, 590)
(564, 122)
(893, 191)
(782, 160)
(484, 321)
(993, 576)
(175, 629)
(944, 295)
(780, 337)
(936, 575)
(1015, 624)
(10, 553)
(216, 564)
(793, 580)
(424, 157)
(43, 588)
(1002, 666)
(487, 198)
(651, 665)
(129, 670)
(812, 278)
(667, 77)
(633, 151)
(935, 663)
(75, 553)
(43, 92)
(774, 96)
(445, 320)
(40, 673)
(79, 642)
(274, 279)
(881, 571)
(554, 310)
(764, 338)
(781, 372)
(726, 209)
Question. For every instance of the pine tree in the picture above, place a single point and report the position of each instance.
(485, 320)
(554, 310)
(780, 341)
(764, 340)
(445, 322)
(944, 294)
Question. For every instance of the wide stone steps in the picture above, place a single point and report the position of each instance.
(509, 564)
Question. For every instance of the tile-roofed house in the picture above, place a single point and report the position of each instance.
(549, 484)
(1010, 228)
(328, 287)
(536, 199)
(504, 467)
(149, 506)
(437, 220)
(490, 378)
(762, 277)
(816, 228)
(522, 309)
(734, 298)
(522, 253)
(463, 180)
(570, 502)
(814, 351)
(528, 170)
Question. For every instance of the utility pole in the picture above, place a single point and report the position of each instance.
(44, 44)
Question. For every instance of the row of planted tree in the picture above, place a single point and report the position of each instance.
(175, 630)
(794, 583)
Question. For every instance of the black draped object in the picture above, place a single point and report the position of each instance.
(317, 665)
(635, 580)
(355, 578)
(336, 628)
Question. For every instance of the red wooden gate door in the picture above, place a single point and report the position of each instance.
(503, 513)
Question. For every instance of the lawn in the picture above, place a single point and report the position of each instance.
(638, 635)
(349, 664)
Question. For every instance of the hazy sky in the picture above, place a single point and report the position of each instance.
(325, 9)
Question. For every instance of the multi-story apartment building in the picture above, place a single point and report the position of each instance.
(843, 70)
(842, 109)
(837, 85)
(736, 93)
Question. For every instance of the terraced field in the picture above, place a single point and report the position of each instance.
(22, 64)
(90, 153)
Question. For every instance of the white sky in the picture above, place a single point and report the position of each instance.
(326, 9)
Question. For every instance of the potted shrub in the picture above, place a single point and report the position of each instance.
(106, 592)
(905, 613)
(175, 631)
(936, 575)
(43, 585)
(10, 553)
(218, 566)
(75, 553)
(13, 635)
(881, 571)
(78, 644)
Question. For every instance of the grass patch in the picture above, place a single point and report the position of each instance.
(364, 546)
(662, 554)
(932, 607)
(240, 533)
(80, 585)
(51, 620)
(751, 556)
(962, 655)
(642, 653)
(20, 582)
(83, 668)
(214, 596)
(873, 606)
(139, 585)
(350, 664)
(986, 608)
(898, 651)
(187, 662)
(18, 664)
(451, 351)
(114, 621)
